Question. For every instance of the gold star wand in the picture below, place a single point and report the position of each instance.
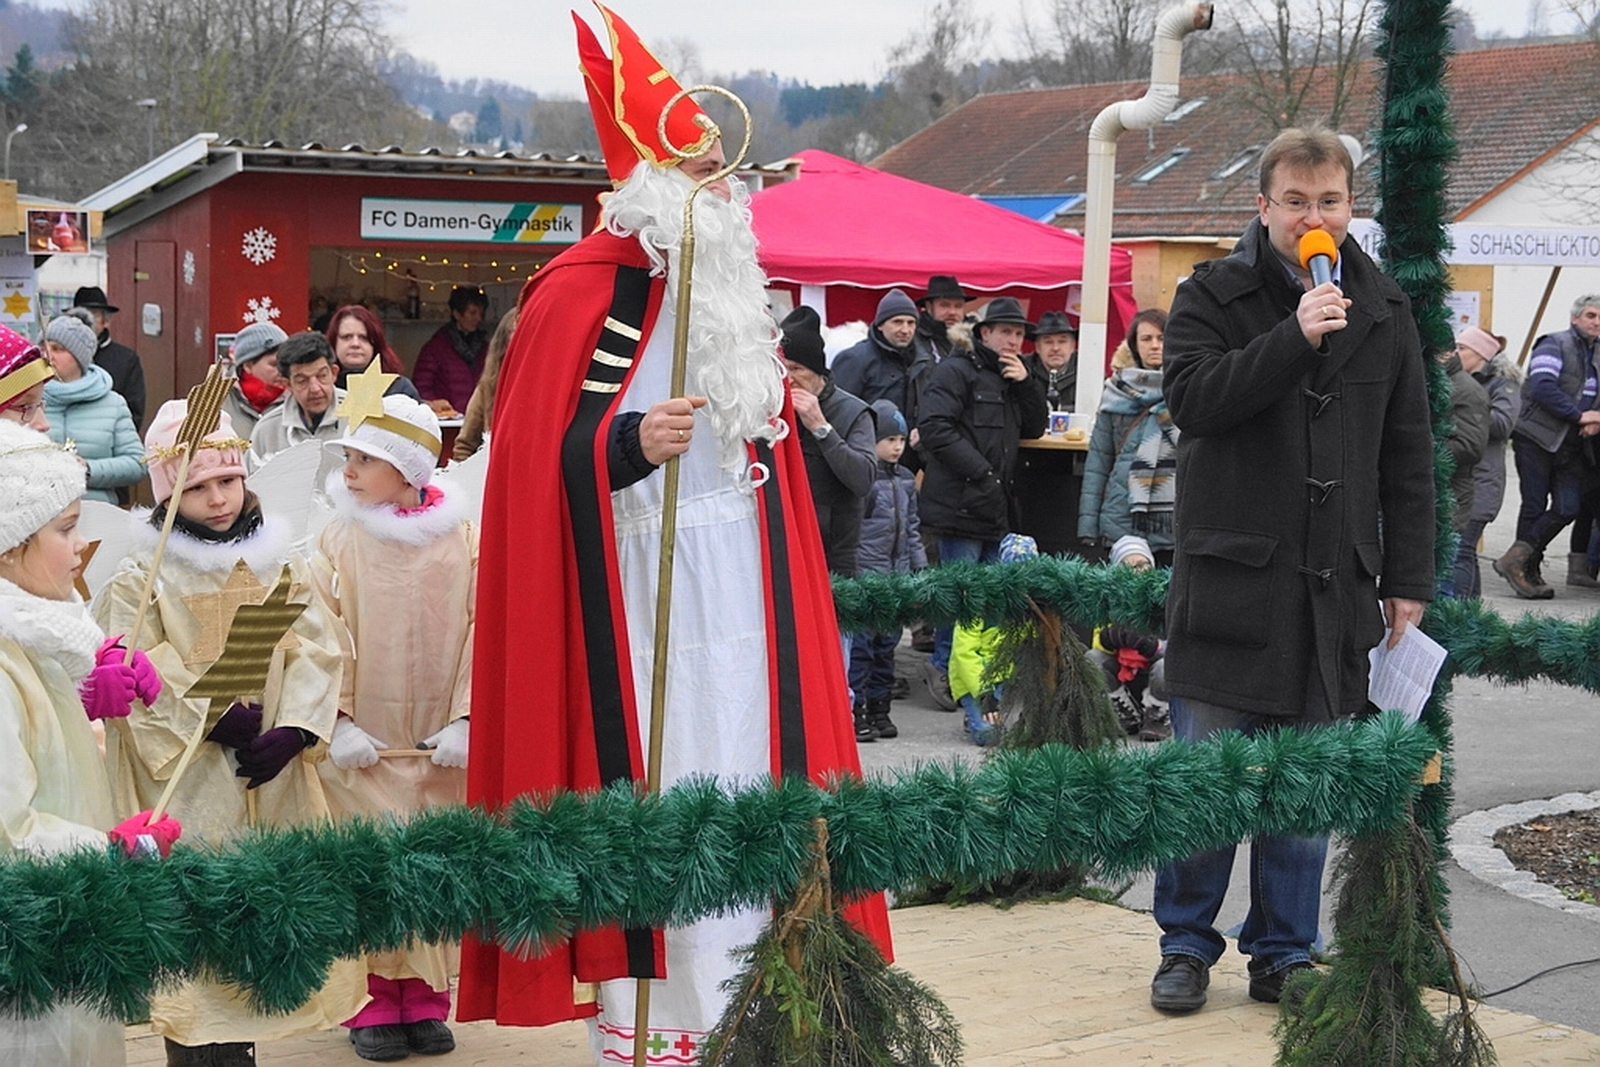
(239, 673)
(200, 421)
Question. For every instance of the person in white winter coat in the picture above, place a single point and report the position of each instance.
(399, 567)
(57, 672)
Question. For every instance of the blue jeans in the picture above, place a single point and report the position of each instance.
(1552, 485)
(1285, 875)
(953, 550)
(872, 665)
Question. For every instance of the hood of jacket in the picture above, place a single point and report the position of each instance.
(94, 384)
(1131, 390)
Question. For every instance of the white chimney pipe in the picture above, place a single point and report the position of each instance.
(1172, 27)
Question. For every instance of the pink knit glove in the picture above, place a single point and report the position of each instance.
(146, 682)
(137, 837)
(108, 691)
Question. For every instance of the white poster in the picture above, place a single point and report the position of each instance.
(1464, 308)
(470, 221)
(19, 305)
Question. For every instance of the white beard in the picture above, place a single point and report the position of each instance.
(733, 343)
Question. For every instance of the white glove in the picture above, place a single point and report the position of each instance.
(352, 748)
(449, 745)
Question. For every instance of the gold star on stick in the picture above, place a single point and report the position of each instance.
(215, 611)
(363, 398)
(205, 409)
(83, 567)
(247, 655)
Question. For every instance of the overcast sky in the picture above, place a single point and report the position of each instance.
(530, 42)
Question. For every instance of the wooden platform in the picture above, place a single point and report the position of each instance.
(1039, 984)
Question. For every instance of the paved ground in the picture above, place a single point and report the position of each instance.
(1039, 984)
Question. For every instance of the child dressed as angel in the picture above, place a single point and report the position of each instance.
(255, 762)
(398, 565)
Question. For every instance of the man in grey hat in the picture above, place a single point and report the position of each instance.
(980, 402)
(257, 387)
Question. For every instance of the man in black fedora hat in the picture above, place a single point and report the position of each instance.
(944, 306)
(119, 361)
(979, 403)
(1054, 360)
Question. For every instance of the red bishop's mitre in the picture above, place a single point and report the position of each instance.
(627, 92)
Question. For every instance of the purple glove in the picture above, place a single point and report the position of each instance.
(262, 759)
(108, 691)
(146, 682)
(238, 726)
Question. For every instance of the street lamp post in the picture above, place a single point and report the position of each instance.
(21, 128)
(149, 106)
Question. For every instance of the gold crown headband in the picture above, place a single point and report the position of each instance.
(401, 428)
(163, 452)
(24, 378)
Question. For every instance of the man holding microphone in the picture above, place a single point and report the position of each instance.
(1304, 525)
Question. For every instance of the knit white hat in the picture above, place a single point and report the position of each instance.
(1131, 545)
(397, 437)
(38, 479)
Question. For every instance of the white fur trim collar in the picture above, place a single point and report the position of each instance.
(265, 550)
(54, 629)
(388, 523)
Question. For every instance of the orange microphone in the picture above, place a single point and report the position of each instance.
(1318, 254)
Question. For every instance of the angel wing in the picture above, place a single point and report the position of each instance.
(289, 485)
(467, 478)
(114, 530)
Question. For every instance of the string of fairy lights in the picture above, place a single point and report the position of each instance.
(437, 271)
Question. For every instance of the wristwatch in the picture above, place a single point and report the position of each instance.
(822, 432)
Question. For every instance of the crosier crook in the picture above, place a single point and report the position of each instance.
(669, 489)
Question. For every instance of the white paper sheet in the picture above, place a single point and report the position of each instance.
(1402, 677)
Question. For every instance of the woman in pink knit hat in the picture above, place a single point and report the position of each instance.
(23, 372)
(220, 541)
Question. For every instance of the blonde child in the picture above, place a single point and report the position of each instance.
(399, 566)
(57, 671)
(266, 749)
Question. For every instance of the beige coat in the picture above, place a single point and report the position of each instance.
(53, 794)
(403, 586)
(144, 748)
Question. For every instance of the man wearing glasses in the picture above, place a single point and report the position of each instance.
(307, 363)
(1304, 528)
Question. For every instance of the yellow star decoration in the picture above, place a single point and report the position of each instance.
(205, 409)
(17, 305)
(247, 656)
(215, 613)
(83, 566)
(363, 398)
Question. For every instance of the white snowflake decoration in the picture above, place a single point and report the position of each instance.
(259, 245)
(261, 310)
(188, 268)
(199, 336)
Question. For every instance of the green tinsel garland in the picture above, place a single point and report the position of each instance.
(1481, 643)
(272, 911)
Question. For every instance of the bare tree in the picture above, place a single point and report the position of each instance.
(1288, 49)
(1083, 41)
(294, 70)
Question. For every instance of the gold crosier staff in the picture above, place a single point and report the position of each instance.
(669, 497)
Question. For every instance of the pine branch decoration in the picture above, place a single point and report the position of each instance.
(815, 990)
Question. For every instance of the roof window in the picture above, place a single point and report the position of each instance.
(1155, 171)
(1238, 162)
(1184, 108)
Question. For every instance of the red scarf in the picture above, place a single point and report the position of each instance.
(257, 392)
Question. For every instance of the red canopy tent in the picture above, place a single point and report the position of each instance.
(854, 233)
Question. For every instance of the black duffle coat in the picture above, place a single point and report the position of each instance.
(1304, 488)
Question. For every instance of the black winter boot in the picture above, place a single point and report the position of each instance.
(878, 716)
(865, 731)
